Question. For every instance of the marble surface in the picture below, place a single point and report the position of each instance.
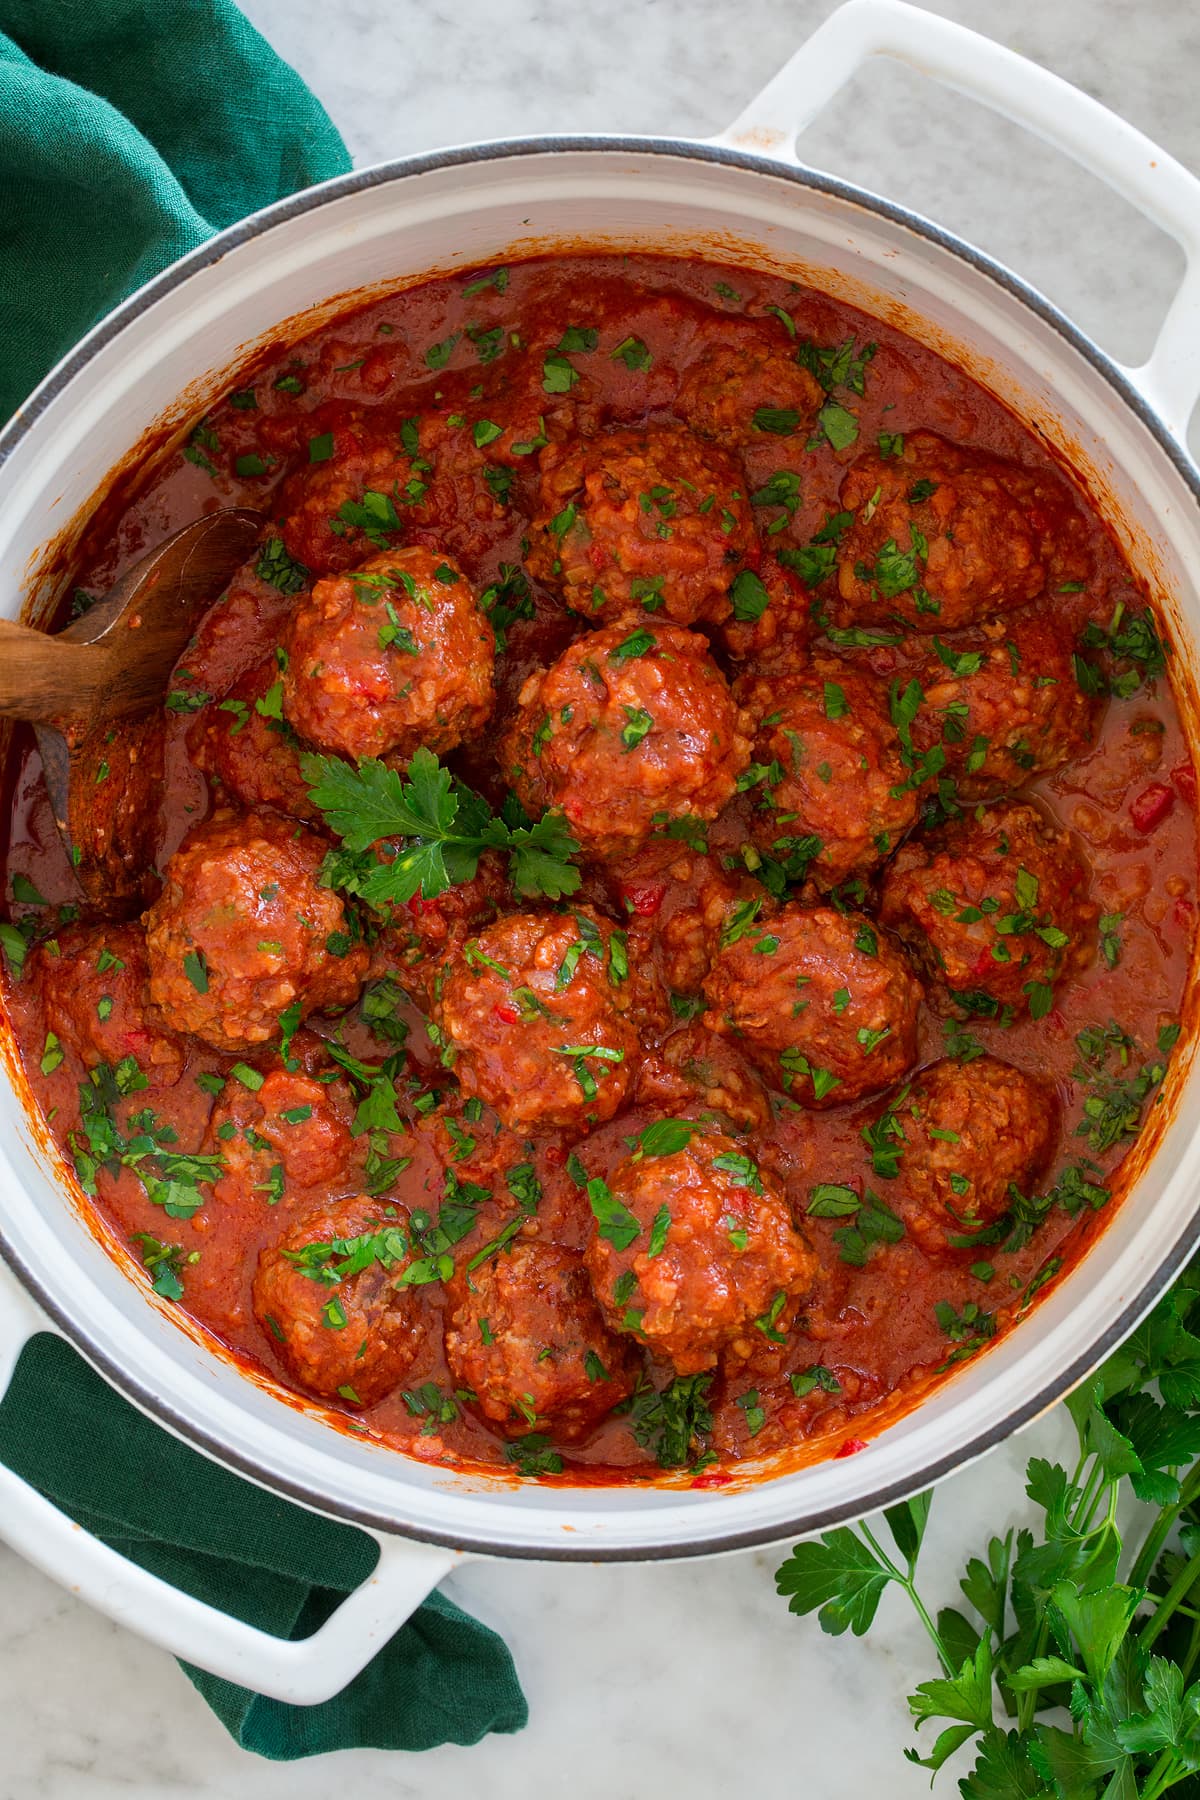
(680, 1677)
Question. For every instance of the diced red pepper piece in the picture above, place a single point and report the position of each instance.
(984, 963)
(851, 1447)
(645, 901)
(1183, 780)
(712, 1481)
(508, 1015)
(1152, 805)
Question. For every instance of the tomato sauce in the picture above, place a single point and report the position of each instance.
(884, 1320)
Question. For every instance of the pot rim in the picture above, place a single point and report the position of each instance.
(258, 224)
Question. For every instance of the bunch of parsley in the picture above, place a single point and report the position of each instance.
(1075, 1671)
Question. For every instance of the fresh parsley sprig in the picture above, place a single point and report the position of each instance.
(1075, 1674)
(438, 829)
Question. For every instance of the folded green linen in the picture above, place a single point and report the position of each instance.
(130, 131)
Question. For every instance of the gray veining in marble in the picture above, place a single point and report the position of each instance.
(685, 1677)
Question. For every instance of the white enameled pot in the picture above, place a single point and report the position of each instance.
(174, 347)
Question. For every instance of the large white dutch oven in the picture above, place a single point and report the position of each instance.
(745, 195)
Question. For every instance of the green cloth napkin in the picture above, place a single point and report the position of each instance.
(130, 131)
(443, 1678)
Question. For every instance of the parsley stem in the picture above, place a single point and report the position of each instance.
(1156, 1537)
(909, 1585)
(1178, 1591)
(1091, 1494)
(1193, 1651)
(1165, 1773)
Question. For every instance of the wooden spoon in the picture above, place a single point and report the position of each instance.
(113, 665)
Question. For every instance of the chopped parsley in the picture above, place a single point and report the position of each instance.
(669, 1421)
(614, 1221)
(749, 596)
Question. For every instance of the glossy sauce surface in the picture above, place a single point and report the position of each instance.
(883, 1318)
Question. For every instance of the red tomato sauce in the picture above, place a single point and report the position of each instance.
(479, 390)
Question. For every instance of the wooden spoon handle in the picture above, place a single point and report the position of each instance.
(44, 677)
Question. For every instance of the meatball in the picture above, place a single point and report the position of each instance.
(93, 982)
(1003, 710)
(390, 656)
(327, 1299)
(995, 909)
(346, 497)
(772, 626)
(291, 1123)
(651, 519)
(743, 384)
(971, 1132)
(512, 1185)
(422, 932)
(675, 899)
(533, 1016)
(525, 1335)
(243, 932)
(692, 1247)
(244, 743)
(835, 800)
(633, 726)
(823, 1002)
(114, 800)
(697, 1069)
(944, 536)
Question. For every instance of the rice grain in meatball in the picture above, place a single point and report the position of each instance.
(389, 657)
(649, 520)
(691, 1247)
(243, 931)
(995, 908)
(823, 1001)
(632, 727)
(524, 1334)
(533, 1013)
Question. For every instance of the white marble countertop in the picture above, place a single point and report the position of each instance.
(684, 1677)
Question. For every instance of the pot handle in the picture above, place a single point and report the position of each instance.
(304, 1672)
(1029, 95)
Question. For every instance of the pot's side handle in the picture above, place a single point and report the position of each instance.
(1031, 96)
(304, 1672)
